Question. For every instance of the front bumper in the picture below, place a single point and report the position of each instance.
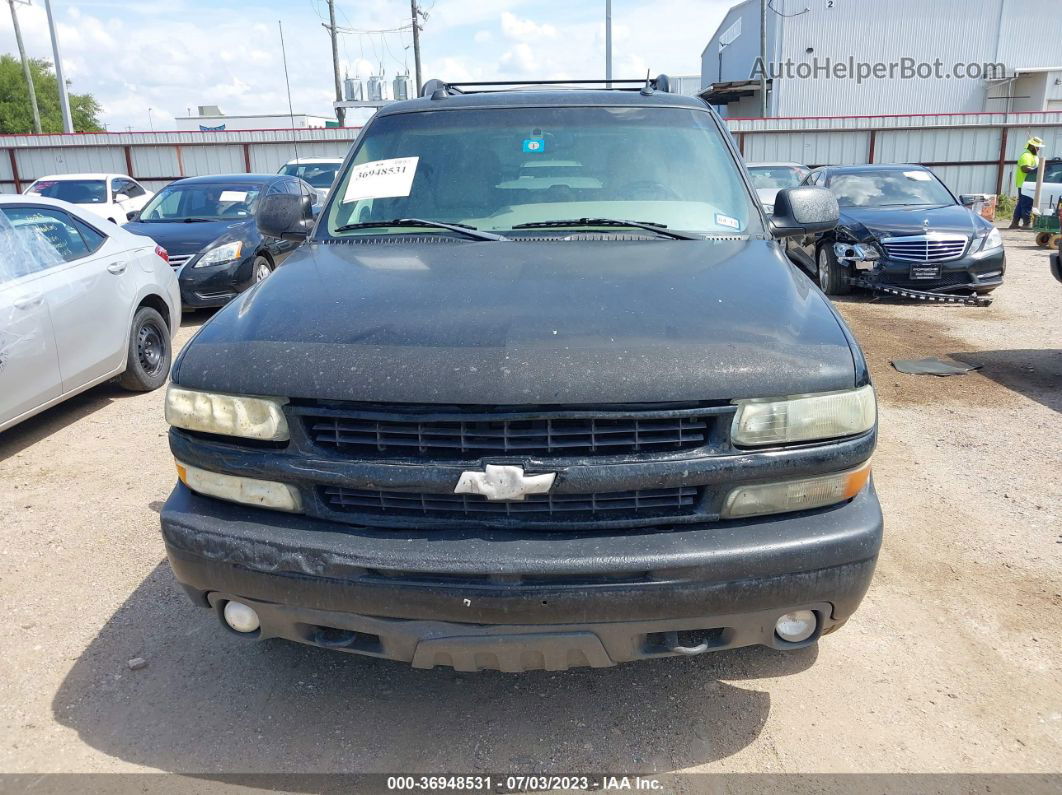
(980, 274)
(514, 600)
(214, 285)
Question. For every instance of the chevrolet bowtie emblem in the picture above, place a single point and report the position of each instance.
(504, 483)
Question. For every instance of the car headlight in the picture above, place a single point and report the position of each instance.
(249, 491)
(226, 252)
(795, 495)
(804, 418)
(992, 240)
(230, 415)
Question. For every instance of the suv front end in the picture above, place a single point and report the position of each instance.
(499, 440)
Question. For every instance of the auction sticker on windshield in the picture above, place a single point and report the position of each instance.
(381, 179)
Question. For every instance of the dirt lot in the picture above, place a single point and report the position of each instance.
(952, 664)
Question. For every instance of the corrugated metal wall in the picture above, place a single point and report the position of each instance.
(964, 149)
(157, 158)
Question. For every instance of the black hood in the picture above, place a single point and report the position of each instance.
(182, 237)
(526, 323)
(866, 223)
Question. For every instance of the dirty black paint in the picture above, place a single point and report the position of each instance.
(544, 323)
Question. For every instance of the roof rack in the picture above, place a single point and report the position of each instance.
(439, 89)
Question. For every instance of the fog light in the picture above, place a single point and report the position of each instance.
(241, 617)
(796, 626)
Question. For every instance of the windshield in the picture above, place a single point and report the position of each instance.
(495, 169)
(776, 177)
(891, 188)
(75, 191)
(319, 175)
(214, 202)
(1053, 171)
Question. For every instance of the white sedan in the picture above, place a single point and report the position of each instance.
(110, 196)
(81, 301)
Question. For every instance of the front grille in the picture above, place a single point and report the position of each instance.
(177, 260)
(647, 502)
(486, 434)
(924, 248)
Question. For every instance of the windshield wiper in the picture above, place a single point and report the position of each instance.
(648, 226)
(197, 220)
(463, 229)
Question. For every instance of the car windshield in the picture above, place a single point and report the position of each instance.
(75, 191)
(1053, 171)
(213, 202)
(499, 168)
(319, 175)
(891, 188)
(776, 177)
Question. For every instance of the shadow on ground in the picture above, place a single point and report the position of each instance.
(28, 432)
(209, 703)
(1036, 374)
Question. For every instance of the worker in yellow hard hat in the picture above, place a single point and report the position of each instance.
(1028, 162)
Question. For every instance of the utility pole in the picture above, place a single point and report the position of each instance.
(763, 59)
(416, 43)
(608, 43)
(341, 113)
(26, 69)
(64, 99)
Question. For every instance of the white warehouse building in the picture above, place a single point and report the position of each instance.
(816, 48)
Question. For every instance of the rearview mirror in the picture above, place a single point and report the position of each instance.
(132, 215)
(120, 197)
(970, 199)
(285, 216)
(804, 211)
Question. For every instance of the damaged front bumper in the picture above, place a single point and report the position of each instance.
(977, 272)
(514, 601)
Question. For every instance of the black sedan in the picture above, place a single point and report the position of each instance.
(207, 224)
(900, 226)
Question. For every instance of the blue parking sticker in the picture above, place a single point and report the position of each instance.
(535, 145)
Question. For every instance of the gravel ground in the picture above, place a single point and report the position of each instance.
(952, 663)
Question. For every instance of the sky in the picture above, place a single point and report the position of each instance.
(174, 55)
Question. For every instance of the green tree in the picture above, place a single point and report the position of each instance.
(16, 116)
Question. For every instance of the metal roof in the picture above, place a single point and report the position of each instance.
(211, 179)
(537, 98)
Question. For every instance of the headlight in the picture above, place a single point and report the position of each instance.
(227, 252)
(804, 417)
(795, 495)
(992, 240)
(231, 415)
(856, 252)
(249, 491)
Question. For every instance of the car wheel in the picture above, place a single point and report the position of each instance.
(262, 269)
(833, 277)
(148, 360)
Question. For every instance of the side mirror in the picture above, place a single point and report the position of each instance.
(970, 199)
(120, 197)
(804, 211)
(132, 215)
(285, 216)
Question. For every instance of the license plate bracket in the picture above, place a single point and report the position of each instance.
(925, 270)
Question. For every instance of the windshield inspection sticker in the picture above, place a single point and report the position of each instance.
(535, 145)
(726, 220)
(233, 196)
(381, 179)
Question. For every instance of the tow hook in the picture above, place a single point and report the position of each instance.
(671, 643)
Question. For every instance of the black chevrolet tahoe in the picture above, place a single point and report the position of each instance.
(540, 389)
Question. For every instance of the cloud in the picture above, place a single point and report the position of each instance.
(513, 27)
